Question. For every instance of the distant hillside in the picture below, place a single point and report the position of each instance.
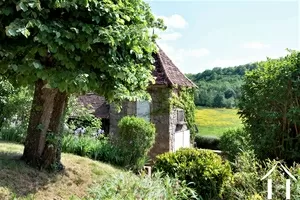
(220, 87)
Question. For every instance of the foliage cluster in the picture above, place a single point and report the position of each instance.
(129, 149)
(135, 138)
(75, 46)
(5, 89)
(207, 142)
(233, 142)
(78, 115)
(246, 181)
(220, 87)
(185, 100)
(126, 186)
(270, 107)
(205, 170)
(15, 104)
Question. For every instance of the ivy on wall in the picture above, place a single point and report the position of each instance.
(162, 96)
(184, 99)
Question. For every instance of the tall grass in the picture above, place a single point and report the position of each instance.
(13, 134)
(125, 186)
(96, 149)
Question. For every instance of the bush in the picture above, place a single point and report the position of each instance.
(128, 186)
(233, 142)
(205, 169)
(246, 182)
(17, 108)
(135, 139)
(207, 142)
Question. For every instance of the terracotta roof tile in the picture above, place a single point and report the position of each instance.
(167, 73)
(97, 103)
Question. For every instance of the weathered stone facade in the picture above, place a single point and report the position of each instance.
(169, 122)
(128, 108)
(162, 115)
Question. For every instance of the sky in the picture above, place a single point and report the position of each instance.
(206, 34)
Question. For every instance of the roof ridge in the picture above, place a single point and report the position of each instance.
(173, 65)
(161, 63)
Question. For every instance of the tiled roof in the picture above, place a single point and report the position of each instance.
(97, 103)
(166, 73)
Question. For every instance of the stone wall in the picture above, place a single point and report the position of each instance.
(162, 116)
(160, 110)
(175, 126)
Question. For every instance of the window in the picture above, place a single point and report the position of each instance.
(180, 116)
(143, 109)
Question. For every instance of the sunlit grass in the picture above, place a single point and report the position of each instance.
(19, 181)
(214, 121)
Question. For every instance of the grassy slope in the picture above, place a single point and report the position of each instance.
(19, 180)
(214, 121)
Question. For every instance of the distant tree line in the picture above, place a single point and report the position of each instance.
(220, 87)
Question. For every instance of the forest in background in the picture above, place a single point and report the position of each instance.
(220, 87)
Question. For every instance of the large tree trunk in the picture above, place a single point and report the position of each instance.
(44, 133)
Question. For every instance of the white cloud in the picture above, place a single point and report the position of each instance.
(180, 54)
(182, 57)
(255, 45)
(174, 21)
(170, 36)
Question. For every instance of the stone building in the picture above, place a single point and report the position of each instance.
(172, 131)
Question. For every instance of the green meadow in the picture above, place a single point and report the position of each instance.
(214, 121)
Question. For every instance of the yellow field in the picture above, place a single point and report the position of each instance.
(214, 121)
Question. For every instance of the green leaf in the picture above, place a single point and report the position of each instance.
(10, 32)
(75, 29)
(25, 32)
(6, 11)
(37, 65)
(126, 17)
(40, 127)
(22, 7)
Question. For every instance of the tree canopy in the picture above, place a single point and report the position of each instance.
(62, 47)
(103, 46)
(220, 87)
(270, 107)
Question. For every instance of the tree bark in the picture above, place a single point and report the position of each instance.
(44, 133)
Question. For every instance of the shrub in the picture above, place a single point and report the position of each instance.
(135, 139)
(17, 107)
(207, 142)
(233, 142)
(128, 186)
(246, 182)
(205, 169)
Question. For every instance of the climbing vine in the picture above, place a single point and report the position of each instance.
(185, 100)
